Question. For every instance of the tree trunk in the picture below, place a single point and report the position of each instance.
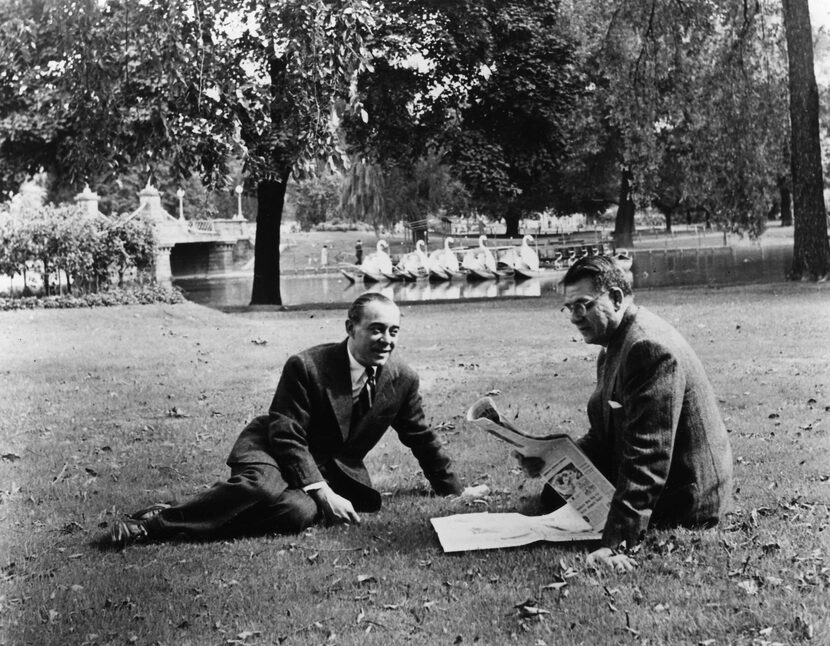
(270, 201)
(511, 225)
(811, 250)
(624, 223)
(786, 206)
(667, 215)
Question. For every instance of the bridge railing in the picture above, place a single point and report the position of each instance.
(201, 226)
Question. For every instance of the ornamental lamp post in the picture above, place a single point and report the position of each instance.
(180, 195)
(238, 191)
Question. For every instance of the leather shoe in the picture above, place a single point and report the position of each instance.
(149, 512)
(126, 531)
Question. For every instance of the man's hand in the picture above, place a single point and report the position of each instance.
(531, 466)
(335, 508)
(614, 560)
(475, 492)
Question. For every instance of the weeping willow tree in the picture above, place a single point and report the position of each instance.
(363, 193)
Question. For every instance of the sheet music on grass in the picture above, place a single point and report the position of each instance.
(566, 468)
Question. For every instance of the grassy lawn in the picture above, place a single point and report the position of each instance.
(104, 411)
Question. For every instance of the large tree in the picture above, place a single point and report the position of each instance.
(89, 88)
(811, 252)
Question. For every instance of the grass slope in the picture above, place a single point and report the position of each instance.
(106, 410)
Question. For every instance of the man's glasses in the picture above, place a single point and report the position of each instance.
(580, 308)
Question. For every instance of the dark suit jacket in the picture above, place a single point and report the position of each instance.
(306, 433)
(665, 449)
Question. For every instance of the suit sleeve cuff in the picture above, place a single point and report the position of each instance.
(314, 486)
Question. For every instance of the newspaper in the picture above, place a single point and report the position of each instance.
(484, 531)
(566, 468)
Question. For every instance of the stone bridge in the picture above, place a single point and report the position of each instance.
(217, 238)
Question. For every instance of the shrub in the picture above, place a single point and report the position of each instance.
(91, 249)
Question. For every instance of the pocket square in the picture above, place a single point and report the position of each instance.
(614, 405)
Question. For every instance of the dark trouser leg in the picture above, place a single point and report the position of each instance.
(254, 499)
(550, 500)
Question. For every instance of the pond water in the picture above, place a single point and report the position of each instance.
(234, 290)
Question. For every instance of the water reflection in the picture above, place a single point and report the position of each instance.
(235, 290)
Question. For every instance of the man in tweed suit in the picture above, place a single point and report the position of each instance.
(655, 429)
(304, 459)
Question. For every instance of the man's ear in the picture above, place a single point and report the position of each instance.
(616, 295)
(349, 327)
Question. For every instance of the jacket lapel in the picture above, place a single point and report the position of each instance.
(339, 387)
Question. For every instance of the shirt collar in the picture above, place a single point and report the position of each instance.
(357, 371)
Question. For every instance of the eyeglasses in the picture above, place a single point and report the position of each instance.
(580, 308)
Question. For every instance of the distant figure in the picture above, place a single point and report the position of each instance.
(324, 255)
(358, 252)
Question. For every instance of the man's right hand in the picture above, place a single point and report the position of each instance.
(531, 466)
(335, 508)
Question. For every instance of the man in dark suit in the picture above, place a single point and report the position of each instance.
(655, 429)
(304, 460)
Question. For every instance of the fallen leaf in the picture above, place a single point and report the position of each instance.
(247, 634)
(366, 578)
(10, 457)
(530, 609)
(749, 586)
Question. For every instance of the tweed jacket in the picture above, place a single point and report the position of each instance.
(307, 433)
(656, 432)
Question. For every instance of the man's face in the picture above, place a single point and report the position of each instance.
(599, 319)
(373, 338)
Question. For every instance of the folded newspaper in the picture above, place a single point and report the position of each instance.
(565, 467)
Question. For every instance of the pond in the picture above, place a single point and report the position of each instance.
(234, 290)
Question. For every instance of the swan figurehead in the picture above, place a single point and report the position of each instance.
(489, 259)
(528, 254)
(448, 259)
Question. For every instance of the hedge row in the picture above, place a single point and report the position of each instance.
(134, 296)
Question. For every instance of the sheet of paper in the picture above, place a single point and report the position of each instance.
(487, 531)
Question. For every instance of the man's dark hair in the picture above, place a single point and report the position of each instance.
(603, 272)
(355, 314)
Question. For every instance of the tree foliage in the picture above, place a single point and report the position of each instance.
(669, 87)
(484, 85)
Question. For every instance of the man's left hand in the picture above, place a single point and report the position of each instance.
(616, 561)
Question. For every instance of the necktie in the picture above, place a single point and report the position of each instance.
(366, 397)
